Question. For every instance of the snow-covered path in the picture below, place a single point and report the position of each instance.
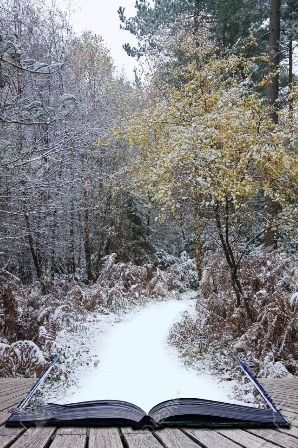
(137, 365)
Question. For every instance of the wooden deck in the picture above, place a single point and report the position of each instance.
(283, 391)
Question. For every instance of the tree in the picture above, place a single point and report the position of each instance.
(230, 21)
(288, 39)
(57, 210)
(211, 143)
(274, 54)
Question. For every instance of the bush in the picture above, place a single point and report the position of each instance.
(31, 319)
(267, 342)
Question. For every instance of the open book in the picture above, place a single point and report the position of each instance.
(178, 412)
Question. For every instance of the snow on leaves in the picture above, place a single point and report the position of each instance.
(212, 138)
(119, 286)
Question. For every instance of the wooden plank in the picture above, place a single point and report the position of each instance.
(9, 435)
(128, 429)
(16, 383)
(17, 380)
(71, 431)
(293, 431)
(11, 388)
(289, 409)
(34, 438)
(290, 414)
(292, 418)
(210, 438)
(279, 390)
(277, 437)
(174, 438)
(3, 417)
(285, 394)
(13, 378)
(105, 438)
(285, 401)
(10, 405)
(283, 391)
(10, 380)
(69, 441)
(245, 439)
(285, 380)
(10, 401)
(9, 391)
(284, 397)
(141, 439)
(12, 393)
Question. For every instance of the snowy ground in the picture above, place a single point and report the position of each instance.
(132, 360)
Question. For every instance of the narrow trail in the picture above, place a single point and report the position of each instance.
(137, 364)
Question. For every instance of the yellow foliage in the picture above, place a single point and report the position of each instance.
(212, 138)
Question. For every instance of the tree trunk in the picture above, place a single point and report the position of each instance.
(274, 55)
(224, 37)
(198, 249)
(290, 79)
(197, 15)
(53, 244)
(270, 238)
(34, 254)
(223, 232)
(72, 256)
(87, 242)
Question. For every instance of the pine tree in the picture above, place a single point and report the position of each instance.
(274, 55)
(230, 20)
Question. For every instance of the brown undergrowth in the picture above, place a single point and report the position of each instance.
(221, 331)
(31, 319)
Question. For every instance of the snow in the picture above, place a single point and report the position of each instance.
(294, 299)
(132, 361)
(273, 369)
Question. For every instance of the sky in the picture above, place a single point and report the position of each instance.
(101, 17)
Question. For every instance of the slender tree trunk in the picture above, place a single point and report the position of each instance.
(223, 232)
(224, 37)
(34, 253)
(102, 240)
(18, 31)
(290, 78)
(197, 13)
(72, 257)
(87, 241)
(53, 244)
(271, 235)
(274, 55)
(198, 249)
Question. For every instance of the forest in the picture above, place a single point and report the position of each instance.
(113, 191)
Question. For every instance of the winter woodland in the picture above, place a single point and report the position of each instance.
(115, 193)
